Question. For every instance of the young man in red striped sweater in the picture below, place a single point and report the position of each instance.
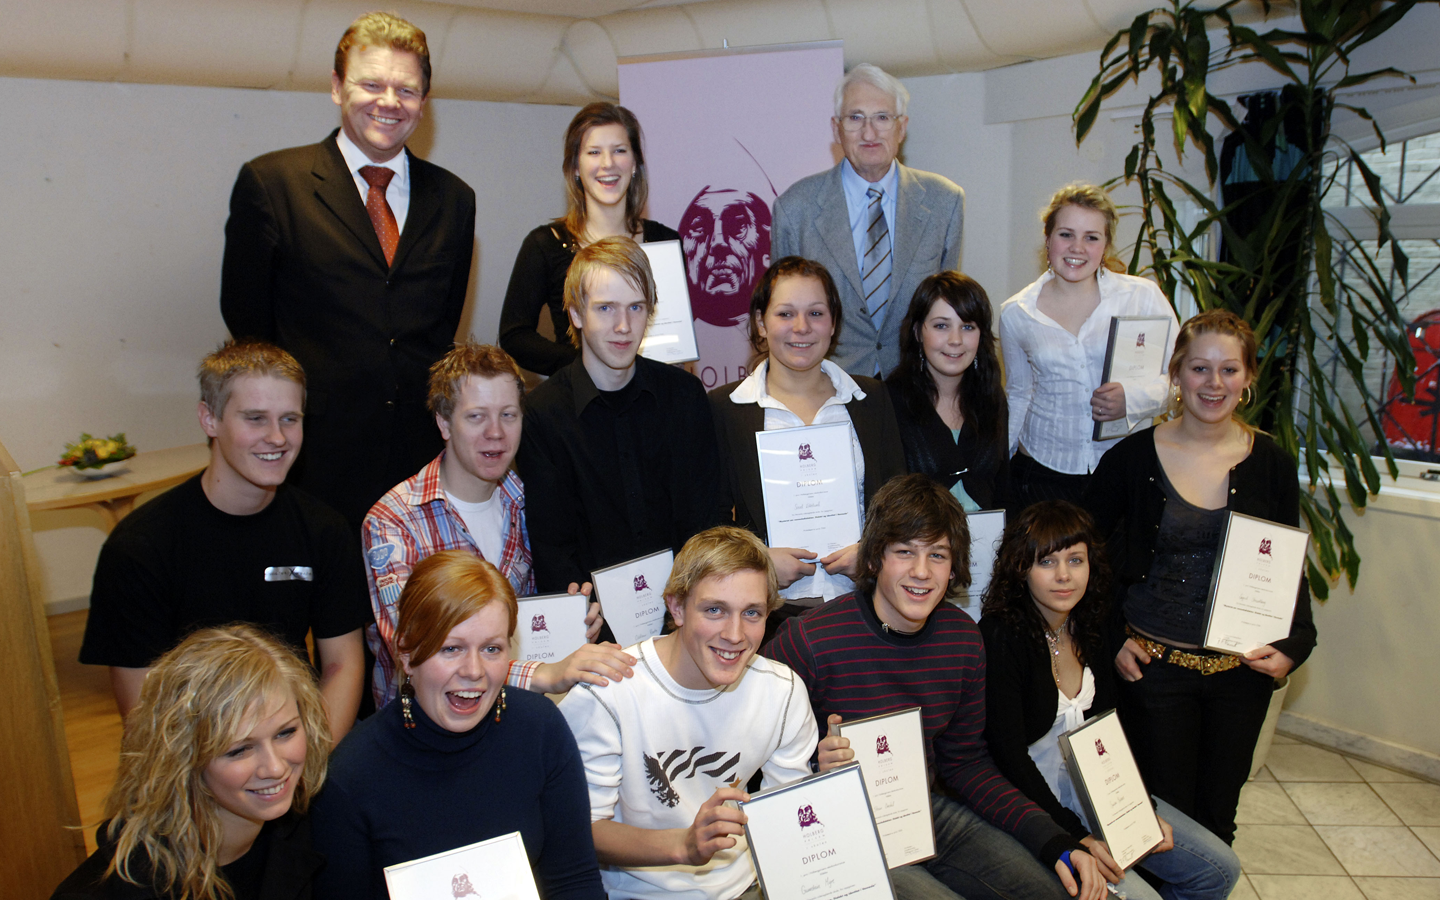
(893, 644)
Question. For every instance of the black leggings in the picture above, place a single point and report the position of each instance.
(1031, 482)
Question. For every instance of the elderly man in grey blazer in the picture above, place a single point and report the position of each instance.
(879, 227)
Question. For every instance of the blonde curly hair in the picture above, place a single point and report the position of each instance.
(197, 700)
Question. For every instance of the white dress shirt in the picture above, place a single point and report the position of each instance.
(1051, 373)
(398, 192)
(777, 416)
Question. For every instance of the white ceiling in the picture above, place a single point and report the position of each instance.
(539, 51)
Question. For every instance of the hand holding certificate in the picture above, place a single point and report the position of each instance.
(807, 478)
(632, 594)
(815, 839)
(1257, 578)
(498, 867)
(671, 335)
(891, 752)
(1134, 356)
(1110, 787)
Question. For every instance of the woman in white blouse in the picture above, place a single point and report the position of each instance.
(1053, 336)
(794, 316)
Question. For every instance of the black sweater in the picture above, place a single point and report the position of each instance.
(1126, 499)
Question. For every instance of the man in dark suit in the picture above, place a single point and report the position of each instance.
(880, 228)
(354, 255)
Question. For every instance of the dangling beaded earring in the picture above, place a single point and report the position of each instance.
(407, 693)
(500, 704)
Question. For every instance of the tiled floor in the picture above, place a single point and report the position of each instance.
(1316, 825)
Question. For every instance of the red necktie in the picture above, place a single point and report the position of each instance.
(378, 177)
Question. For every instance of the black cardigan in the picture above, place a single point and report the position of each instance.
(735, 427)
(930, 450)
(538, 280)
(1020, 706)
(290, 867)
(1126, 499)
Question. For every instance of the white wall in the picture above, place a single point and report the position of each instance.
(116, 197)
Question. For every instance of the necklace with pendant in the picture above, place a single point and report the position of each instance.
(1052, 638)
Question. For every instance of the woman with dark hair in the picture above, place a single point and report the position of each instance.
(794, 316)
(1193, 715)
(220, 758)
(456, 760)
(605, 195)
(1053, 335)
(1047, 671)
(948, 393)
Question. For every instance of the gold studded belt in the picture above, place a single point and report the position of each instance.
(1204, 663)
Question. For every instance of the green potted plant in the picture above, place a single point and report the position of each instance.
(1281, 252)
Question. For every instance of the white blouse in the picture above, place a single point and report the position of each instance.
(777, 416)
(1046, 752)
(1051, 373)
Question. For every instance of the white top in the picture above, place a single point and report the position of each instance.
(1051, 373)
(483, 521)
(777, 416)
(397, 193)
(655, 751)
(1069, 715)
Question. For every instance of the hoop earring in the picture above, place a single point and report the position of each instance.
(1247, 396)
(407, 693)
(500, 704)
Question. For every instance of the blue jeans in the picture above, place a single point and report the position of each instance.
(1199, 867)
(976, 861)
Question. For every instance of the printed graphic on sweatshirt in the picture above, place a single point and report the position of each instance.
(668, 766)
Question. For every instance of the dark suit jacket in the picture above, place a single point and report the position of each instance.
(735, 427)
(304, 269)
(812, 220)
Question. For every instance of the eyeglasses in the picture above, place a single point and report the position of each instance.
(883, 122)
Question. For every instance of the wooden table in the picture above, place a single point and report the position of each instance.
(114, 497)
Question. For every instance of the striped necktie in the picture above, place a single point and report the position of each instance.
(875, 267)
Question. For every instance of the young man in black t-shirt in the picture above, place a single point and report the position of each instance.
(235, 544)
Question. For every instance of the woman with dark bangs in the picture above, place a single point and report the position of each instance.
(1048, 671)
(948, 393)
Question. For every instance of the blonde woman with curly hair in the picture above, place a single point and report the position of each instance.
(220, 758)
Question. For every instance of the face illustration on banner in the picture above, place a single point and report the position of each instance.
(640, 584)
(537, 623)
(805, 452)
(725, 234)
(882, 745)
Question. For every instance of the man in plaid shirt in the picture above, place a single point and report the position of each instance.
(468, 498)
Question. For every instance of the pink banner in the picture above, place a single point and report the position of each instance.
(726, 132)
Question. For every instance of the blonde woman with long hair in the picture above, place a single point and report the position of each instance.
(219, 762)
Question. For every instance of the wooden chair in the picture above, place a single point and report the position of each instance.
(39, 816)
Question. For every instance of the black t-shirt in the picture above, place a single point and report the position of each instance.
(178, 564)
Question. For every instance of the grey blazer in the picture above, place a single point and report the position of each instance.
(812, 220)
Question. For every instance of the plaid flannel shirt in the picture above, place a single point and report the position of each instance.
(412, 521)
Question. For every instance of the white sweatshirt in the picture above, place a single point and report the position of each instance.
(655, 751)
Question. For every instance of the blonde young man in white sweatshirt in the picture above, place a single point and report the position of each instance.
(665, 750)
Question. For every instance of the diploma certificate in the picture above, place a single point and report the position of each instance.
(987, 528)
(891, 752)
(1110, 787)
(550, 627)
(671, 335)
(497, 869)
(1134, 356)
(1257, 577)
(807, 477)
(815, 839)
(632, 595)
